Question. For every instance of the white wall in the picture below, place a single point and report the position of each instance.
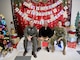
(6, 10)
(75, 9)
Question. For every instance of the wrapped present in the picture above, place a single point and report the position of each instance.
(45, 44)
(1, 36)
(0, 28)
(72, 44)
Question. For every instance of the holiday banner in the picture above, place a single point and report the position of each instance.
(51, 11)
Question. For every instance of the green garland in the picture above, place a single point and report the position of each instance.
(36, 1)
(64, 2)
(44, 1)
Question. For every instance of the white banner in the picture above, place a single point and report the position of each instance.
(31, 6)
(25, 16)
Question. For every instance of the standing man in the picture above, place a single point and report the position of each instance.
(44, 34)
(30, 34)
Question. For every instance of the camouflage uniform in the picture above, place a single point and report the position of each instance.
(58, 33)
(32, 31)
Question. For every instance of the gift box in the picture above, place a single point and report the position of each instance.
(1, 36)
(71, 44)
(45, 44)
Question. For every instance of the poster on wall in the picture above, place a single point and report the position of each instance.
(39, 10)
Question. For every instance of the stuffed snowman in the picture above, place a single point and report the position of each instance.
(72, 34)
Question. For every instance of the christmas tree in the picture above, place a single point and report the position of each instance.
(5, 43)
(77, 19)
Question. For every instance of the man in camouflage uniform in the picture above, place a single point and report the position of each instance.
(59, 34)
(30, 34)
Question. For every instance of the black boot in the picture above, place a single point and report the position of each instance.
(33, 53)
(47, 49)
(39, 48)
(24, 53)
(58, 42)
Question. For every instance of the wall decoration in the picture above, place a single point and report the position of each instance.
(40, 10)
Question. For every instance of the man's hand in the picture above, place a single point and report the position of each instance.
(60, 38)
(46, 38)
(29, 38)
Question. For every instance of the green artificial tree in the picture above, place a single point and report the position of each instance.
(17, 2)
(64, 2)
(77, 19)
(5, 43)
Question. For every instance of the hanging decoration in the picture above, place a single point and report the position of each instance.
(36, 1)
(31, 6)
(49, 12)
(52, 18)
(44, 1)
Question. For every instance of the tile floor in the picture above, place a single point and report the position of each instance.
(71, 54)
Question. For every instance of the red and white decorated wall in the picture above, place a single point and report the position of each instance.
(52, 12)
